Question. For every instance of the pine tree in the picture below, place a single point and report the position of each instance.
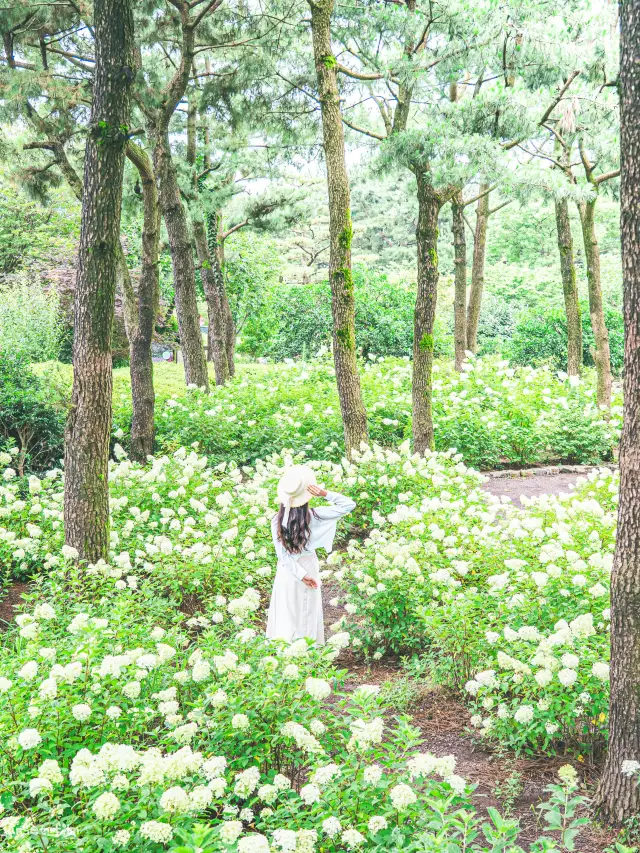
(618, 797)
(158, 105)
(141, 309)
(354, 416)
(86, 495)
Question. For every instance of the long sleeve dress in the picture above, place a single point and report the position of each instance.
(295, 610)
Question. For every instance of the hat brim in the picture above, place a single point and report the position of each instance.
(300, 500)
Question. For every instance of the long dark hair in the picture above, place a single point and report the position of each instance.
(297, 533)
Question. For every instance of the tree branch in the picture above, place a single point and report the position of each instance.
(357, 75)
(363, 130)
(507, 146)
(499, 207)
(223, 236)
(479, 196)
(607, 176)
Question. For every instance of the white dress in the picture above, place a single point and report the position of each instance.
(295, 610)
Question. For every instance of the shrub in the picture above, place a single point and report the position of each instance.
(542, 338)
(29, 318)
(31, 415)
(296, 319)
(36, 234)
(493, 414)
(126, 721)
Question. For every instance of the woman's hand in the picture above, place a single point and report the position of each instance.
(317, 492)
(312, 583)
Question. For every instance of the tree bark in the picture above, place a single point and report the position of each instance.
(460, 281)
(569, 288)
(477, 269)
(354, 416)
(618, 796)
(602, 354)
(430, 202)
(140, 333)
(227, 325)
(86, 495)
(210, 273)
(184, 281)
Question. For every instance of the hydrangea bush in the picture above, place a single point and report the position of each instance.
(495, 415)
(142, 708)
(510, 605)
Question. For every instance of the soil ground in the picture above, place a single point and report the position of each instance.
(529, 487)
(10, 598)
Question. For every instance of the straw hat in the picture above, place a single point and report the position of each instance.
(293, 488)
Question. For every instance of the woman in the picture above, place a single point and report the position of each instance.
(296, 601)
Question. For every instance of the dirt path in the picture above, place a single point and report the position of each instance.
(542, 484)
(10, 597)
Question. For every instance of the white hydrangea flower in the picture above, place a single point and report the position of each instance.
(106, 806)
(156, 831)
(351, 838)
(253, 844)
(567, 677)
(230, 831)
(50, 769)
(121, 838)
(175, 800)
(317, 688)
(38, 785)
(29, 738)
(402, 796)
(81, 712)
(310, 793)
(331, 826)
(240, 722)
(377, 824)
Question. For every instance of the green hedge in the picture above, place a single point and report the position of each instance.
(542, 338)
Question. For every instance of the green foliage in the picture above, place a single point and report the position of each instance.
(35, 235)
(498, 319)
(30, 415)
(540, 338)
(166, 721)
(297, 319)
(29, 318)
(252, 270)
(493, 414)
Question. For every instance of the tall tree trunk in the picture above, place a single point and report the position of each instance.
(460, 285)
(429, 204)
(86, 492)
(227, 326)
(602, 354)
(618, 797)
(209, 272)
(216, 347)
(146, 307)
(354, 416)
(477, 269)
(184, 280)
(569, 288)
